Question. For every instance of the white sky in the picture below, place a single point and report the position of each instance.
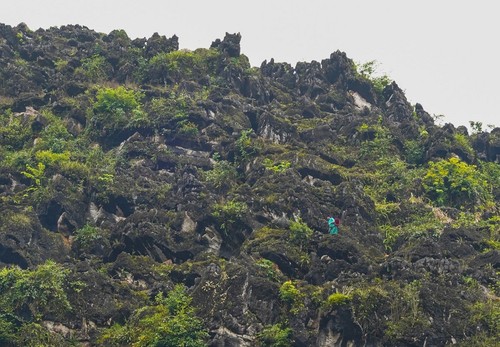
(445, 54)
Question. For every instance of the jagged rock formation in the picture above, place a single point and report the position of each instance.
(136, 166)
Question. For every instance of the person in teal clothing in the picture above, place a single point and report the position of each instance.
(333, 225)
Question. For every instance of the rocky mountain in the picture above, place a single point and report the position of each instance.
(152, 196)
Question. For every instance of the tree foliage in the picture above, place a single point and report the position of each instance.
(170, 322)
(456, 183)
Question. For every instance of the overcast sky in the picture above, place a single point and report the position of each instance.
(444, 53)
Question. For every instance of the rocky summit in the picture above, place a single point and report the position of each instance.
(151, 196)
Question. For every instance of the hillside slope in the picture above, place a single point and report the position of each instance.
(152, 196)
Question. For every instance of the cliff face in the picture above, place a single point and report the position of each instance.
(131, 170)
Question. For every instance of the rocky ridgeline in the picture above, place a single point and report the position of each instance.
(128, 167)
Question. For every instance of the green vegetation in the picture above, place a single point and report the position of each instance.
(229, 213)
(275, 336)
(276, 167)
(456, 183)
(269, 268)
(105, 167)
(291, 295)
(300, 232)
(164, 68)
(336, 300)
(115, 109)
(14, 135)
(26, 297)
(170, 322)
(378, 143)
(222, 175)
(368, 71)
(95, 68)
(407, 316)
(87, 236)
(244, 145)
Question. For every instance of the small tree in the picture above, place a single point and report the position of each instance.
(456, 183)
(300, 232)
(115, 109)
(170, 322)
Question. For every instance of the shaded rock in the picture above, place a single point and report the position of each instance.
(230, 45)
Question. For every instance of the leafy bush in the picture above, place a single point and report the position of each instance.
(14, 135)
(244, 146)
(414, 152)
(167, 67)
(87, 236)
(291, 295)
(300, 232)
(270, 268)
(336, 300)
(288, 292)
(456, 183)
(407, 317)
(276, 167)
(378, 141)
(417, 225)
(42, 290)
(229, 213)
(188, 128)
(275, 336)
(36, 174)
(115, 109)
(222, 174)
(54, 136)
(119, 99)
(94, 68)
(368, 71)
(169, 322)
(464, 142)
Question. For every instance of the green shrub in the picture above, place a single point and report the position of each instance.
(111, 100)
(367, 302)
(456, 183)
(414, 152)
(486, 315)
(378, 144)
(229, 213)
(87, 236)
(336, 300)
(244, 146)
(276, 167)
(270, 268)
(222, 175)
(422, 224)
(407, 317)
(464, 142)
(300, 232)
(36, 335)
(14, 135)
(54, 136)
(169, 322)
(289, 292)
(291, 295)
(275, 336)
(115, 109)
(188, 128)
(95, 68)
(7, 330)
(36, 174)
(166, 67)
(42, 290)
(368, 71)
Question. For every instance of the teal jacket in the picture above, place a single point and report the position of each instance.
(333, 229)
